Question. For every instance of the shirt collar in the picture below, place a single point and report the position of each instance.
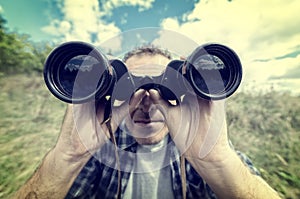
(123, 137)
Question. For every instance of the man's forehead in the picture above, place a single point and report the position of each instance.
(147, 64)
(145, 59)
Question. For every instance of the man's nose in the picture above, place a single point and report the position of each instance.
(146, 103)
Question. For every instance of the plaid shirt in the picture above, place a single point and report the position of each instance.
(99, 180)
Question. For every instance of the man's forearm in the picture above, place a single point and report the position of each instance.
(53, 178)
(232, 179)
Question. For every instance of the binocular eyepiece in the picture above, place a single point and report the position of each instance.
(76, 72)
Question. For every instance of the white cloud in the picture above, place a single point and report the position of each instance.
(261, 70)
(124, 18)
(57, 28)
(179, 44)
(141, 4)
(256, 30)
(1, 10)
(81, 21)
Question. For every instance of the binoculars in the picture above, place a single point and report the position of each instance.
(77, 72)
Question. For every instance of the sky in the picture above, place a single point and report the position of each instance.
(264, 34)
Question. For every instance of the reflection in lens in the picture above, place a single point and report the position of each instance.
(85, 66)
(210, 74)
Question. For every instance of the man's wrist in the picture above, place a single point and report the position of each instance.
(231, 178)
(53, 178)
(224, 175)
(70, 156)
(216, 161)
(66, 161)
(61, 168)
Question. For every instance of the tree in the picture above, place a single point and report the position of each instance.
(18, 53)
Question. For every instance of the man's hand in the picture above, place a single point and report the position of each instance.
(85, 130)
(81, 132)
(198, 128)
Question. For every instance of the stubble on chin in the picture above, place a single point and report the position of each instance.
(156, 138)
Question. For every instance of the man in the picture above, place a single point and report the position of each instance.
(199, 161)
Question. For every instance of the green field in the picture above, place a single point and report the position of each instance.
(264, 126)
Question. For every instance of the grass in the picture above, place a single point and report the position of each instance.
(30, 119)
(264, 126)
(267, 128)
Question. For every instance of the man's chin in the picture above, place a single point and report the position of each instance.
(146, 132)
(146, 129)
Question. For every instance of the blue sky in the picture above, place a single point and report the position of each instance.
(26, 16)
(266, 35)
(31, 16)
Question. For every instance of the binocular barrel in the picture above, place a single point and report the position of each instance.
(76, 72)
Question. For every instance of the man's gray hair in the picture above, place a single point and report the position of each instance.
(148, 50)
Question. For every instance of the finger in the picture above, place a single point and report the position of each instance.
(164, 106)
(157, 99)
(87, 125)
(192, 100)
(216, 128)
(126, 108)
(136, 99)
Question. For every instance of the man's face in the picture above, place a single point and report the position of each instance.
(146, 122)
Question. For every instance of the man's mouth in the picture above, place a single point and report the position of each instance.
(143, 121)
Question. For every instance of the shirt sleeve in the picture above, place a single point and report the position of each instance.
(86, 182)
(246, 160)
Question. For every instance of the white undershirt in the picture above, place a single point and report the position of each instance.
(146, 182)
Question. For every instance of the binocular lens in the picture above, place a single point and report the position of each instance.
(208, 74)
(75, 72)
(214, 71)
(79, 73)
